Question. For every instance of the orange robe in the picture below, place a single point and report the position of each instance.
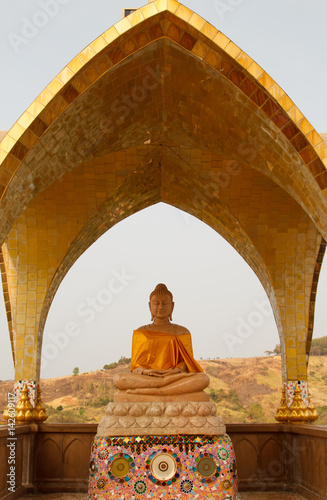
(162, 351)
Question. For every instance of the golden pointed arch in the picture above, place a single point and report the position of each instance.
(158, 19)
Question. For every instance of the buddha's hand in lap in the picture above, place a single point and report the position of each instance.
(151, 372)
(157, 373)
(154, 373)
(165, 373)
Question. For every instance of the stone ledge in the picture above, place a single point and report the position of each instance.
(125, 397)
(169, 418)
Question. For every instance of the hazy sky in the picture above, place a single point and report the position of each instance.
(104, 296)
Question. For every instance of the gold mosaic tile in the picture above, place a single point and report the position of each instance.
(44, 98)
(136, 17)
(76, 64)
(197, 22)
(150, 9)
(221, 40)
(255, 70)
(233, 50)
(184, 13)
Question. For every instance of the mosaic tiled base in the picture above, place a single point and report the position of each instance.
(290, 388)
(163, 467)
(31, 387)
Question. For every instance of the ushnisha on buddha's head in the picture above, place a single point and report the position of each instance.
(161, 304)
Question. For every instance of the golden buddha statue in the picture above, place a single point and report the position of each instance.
(162, 356)
(163, 395)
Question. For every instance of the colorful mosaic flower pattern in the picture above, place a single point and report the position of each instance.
(31, 388)
(290, 389)
(121, 467)
(155, 478)
(93, 467)
(223, 454)
(186, 486)
(140, 487)
(206, 467)
(103, 454)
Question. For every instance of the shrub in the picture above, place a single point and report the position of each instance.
(256, 412)
(217, 396)
(122, 361)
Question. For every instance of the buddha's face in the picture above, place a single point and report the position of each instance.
(161, 307)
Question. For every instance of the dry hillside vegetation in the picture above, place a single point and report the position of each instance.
(245, 390)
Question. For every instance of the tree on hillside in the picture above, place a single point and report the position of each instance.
(319, 347)
(76, 371)
(269, 353)
(322, 341)
(277, 350)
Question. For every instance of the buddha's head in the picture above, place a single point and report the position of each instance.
(161, 303)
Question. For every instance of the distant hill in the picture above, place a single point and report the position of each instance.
(244, 390)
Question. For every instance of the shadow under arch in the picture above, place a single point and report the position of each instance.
(165, 177)
(247, 448)
(49, 449)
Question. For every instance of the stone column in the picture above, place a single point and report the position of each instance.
(298, 299)
(24, 290)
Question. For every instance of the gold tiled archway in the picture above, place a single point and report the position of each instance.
(163, 107)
